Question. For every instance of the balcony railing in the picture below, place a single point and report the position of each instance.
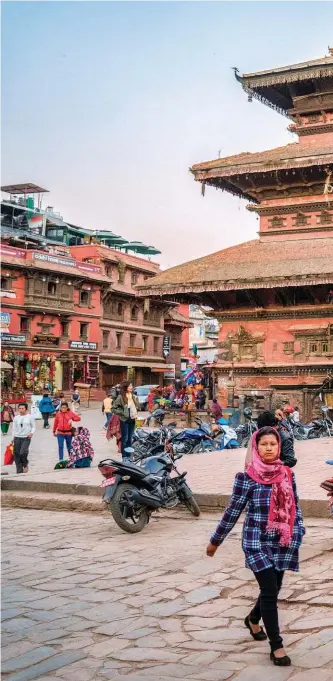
(48, 302)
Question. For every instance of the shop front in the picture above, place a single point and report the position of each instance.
(32, 372)
(114, 371)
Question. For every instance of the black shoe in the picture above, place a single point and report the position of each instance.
(284, 661)
(260, 635)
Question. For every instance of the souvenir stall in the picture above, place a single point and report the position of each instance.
(32, 372)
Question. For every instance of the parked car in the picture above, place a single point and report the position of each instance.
(142, 392)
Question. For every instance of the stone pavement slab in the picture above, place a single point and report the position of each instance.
(171, 633)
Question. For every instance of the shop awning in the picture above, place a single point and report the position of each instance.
(129, 363)
(5, 365)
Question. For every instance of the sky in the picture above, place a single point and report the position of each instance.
(108, 104)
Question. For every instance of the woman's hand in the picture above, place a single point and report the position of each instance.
(210, 550)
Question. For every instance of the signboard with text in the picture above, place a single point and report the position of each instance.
(166, 345)
(67, 262)
(14, 252)
(13, 339)
(82, 345)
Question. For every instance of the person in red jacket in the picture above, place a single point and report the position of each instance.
(62, 428)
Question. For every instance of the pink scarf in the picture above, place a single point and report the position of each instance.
(282, 507)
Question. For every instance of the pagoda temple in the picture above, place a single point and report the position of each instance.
(273, 296)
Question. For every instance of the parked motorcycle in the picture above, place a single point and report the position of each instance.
(245, 431)
(321, 428)
(195, 440)
(226, 436)
(145, 441)
(133, 492)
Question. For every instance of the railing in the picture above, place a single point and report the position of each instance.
(48, 302)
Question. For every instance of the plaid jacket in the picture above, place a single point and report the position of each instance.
(262, 550)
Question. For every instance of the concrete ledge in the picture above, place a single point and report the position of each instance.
(89, 497)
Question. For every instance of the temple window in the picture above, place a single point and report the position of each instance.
(313, 347)
(324, 347)
(301, 220)
(325, 218)
(288, 347)
(276, 222)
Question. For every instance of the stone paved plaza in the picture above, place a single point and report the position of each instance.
(82, 601)
(211, 473)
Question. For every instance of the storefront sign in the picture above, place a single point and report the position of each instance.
(82, 345)
(45, 257)
(87, 267)
(13, 339)
(14, 252)
(166, 345)
(170, 371)
(7, 294)
(67, 262)
(134, 351)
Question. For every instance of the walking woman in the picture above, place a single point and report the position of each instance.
(46, 408)
(272, 532)
(62, 428)
(126, 406)
(7, 416)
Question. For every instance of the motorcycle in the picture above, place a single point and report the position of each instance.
(133, 492)
(158, 415)
(226, 436)
(245, 431)
(195, 440)
(145, 441)
(320, 428)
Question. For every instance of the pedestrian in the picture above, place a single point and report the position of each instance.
(272, 532)
(107, 409)
(7, 416)
(215, 409)
(126, 406)
(76, 401)
(295, 415)
(46, 408)
(62, 428)
(23, 430)
(82, 452)
(268, 418)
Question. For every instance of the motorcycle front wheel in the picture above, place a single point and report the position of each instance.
(192, 506)
(133, 521)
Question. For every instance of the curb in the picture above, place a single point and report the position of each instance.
(69, 496)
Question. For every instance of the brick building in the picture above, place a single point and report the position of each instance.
(53, 305)
(72, 313)
(132, 328)
(273, 296)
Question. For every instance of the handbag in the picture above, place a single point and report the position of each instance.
(8, 458)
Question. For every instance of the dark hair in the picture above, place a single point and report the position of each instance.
(64, 404)
(267, 418)
(267, 430)
(23, 404)
(124, 389)
(46, 394)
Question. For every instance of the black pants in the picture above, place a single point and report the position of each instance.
(270, 582)
(21, 449)
(46, 419)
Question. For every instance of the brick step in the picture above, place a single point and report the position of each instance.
(315, 508)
